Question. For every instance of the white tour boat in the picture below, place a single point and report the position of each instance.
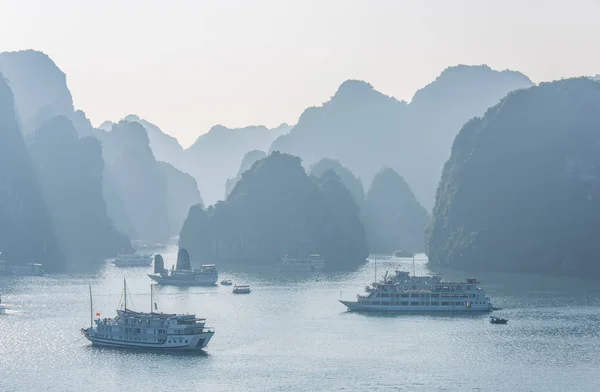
(183, 274)
(405, 293)
(312, 263)
(133, 260)
(156, 331)
(241, 289)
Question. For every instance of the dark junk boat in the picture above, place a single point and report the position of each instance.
(183, 274)
(151, 331)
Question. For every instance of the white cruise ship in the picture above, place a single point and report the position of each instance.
(403, 293)
(183, 274)
(156, 331)
(312, 263)
(133, 260)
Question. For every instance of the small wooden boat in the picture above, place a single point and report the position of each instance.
(226, 282)
(498, 320)
(241, 289)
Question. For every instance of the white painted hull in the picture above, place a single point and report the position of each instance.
(172, 343)
(354, 306)
(198, 281)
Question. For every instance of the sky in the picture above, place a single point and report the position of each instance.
(187, 65)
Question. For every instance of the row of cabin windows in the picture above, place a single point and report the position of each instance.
(424, 303)
(416, 295)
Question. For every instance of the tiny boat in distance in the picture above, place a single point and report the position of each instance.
(226, 282)
(498, 320)
(150, 331)
(133, 260)
(312, 263)
(241, 289)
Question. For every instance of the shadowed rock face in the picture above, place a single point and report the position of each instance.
(247, 162)
(521, 190)
(393, 217)
(368, 131)
(182, 193)
(216, 155)
(274, 210)
(350, 181)
(138, 178)
(70, 171)
(26, 231)
(40, 91)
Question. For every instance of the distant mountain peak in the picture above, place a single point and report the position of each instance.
(354, 87)
(131, 117)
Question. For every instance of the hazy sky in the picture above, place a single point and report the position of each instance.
(189, 64)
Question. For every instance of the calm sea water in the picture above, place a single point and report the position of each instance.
(291, 334)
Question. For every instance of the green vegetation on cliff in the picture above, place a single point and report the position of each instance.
(521, 190)
(274, 210)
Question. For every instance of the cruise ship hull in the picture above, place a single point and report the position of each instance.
(354, 306)
(210, 280)
(172, 343)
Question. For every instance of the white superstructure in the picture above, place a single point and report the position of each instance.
(133, 260)
(312, 263)
(206, 275)
(403, 293)
(157, 331)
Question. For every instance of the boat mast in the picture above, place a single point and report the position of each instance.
(125, 291)
(414, 274)
(91, 309)
(375, 281)
(151, 298)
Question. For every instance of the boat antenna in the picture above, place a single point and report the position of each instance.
(125, 291)
(91, 309)
(151, 298)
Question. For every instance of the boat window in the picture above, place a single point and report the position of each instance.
(445, 303)
(414, 303)
(376, 303)
(435, 303)
(414, 295)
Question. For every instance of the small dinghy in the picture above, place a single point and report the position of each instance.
(498, 320)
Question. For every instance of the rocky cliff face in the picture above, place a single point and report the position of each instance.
(70, 172)
(521, 190)
(393, 217)
(40, 90)
(138, 179)
(182, 193)
(216, 155)
(274, 210)
(26, 231)
(369, 131)
(247, 162)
